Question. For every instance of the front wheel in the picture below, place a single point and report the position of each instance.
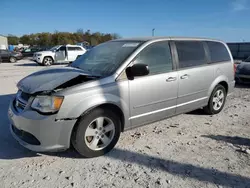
(12, 59)
(47, 61)
(216, 101)
(96, 133)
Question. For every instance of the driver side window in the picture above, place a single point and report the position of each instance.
(62, 48)
(157, 56)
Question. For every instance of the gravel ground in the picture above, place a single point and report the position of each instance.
(189, 150)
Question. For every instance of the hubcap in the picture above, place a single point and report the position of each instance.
(47, 61)
(99, 133)
(12, 60)
(218, 99)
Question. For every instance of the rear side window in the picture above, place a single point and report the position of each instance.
(78, 48)
(218, 52)
(190, 53)
(71, 48)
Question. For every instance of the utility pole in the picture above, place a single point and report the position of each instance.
(153, 32)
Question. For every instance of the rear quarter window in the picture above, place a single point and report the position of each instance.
(79, 49)
(71, 48)
(218, 52)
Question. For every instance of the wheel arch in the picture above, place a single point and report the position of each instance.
(112, 106)
(48, 56)
(109, 105)
(222, 80)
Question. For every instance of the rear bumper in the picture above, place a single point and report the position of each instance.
(240, 78)
(39, 132)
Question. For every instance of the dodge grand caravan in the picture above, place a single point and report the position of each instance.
(116, 86)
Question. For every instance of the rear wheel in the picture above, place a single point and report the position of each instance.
(47, 61)
(12, 59)
(96, 133)
(216, 101)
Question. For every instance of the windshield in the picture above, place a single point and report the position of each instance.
(54, 48)
(247, 59)
(104, 59)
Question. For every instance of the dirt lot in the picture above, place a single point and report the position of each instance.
(190, 150)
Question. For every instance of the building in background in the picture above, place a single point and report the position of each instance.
(3, 42)
(239, 50)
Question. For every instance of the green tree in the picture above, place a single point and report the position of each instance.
(12, 39)
(25, 39)
(57, 38)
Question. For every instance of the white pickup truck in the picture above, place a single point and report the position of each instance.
(59, 54)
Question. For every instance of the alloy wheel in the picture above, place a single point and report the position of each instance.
(47, 61)
(218, 99)
(99, 133)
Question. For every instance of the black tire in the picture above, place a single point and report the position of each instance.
(78, 135)
(13, 59)
(47, 61)
(209, 109)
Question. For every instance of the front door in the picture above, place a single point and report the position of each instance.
(195, 75)
(153, 97)
(60, 55)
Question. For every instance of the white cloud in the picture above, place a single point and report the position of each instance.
(239, 5)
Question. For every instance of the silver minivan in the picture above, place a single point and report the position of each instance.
(116, 86)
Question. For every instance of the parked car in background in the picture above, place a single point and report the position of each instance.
(10, 56)
(29, 52)
(243, 71)
(117, 86)
(59, 54)
(85, 45)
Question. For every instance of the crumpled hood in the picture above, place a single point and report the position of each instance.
(244, 68)
(48, 79)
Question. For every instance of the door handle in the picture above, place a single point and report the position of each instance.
(171, 79)
(185, 76)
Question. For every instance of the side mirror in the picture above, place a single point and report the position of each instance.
(137, 70)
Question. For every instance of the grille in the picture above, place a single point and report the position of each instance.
(21, 100)
(20, 105)
(25, 96)
(25, 136)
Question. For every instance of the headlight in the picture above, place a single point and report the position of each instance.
(47, 104)
(39, 54)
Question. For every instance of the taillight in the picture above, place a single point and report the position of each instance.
(235, 67)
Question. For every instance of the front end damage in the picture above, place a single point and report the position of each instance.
(37, 127)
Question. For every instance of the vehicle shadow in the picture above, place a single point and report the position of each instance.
(230, 139)
(35, 64)
(172, 167)
(9, 148)
(27, 65)
(197, 112)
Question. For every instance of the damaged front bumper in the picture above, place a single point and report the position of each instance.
(38, 132)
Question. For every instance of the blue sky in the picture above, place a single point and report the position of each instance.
(223, 19)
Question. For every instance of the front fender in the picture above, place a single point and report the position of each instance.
(87, 103)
